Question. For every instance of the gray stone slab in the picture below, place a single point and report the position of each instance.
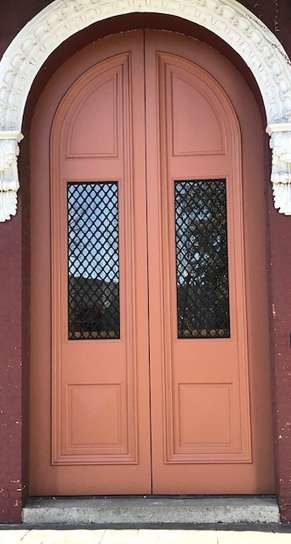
(151, 510)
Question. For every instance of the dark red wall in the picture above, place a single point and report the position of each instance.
(280, 318)
(14, 353)
(14, 262)
(10, 370)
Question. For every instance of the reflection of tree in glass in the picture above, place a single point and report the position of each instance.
(93, 258)
(202, 265)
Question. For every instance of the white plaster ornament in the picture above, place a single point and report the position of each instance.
(280, 144)
(9, 183)
(228, 19)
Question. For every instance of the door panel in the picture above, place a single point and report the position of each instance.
(203, 437)
(100, 440)
(94, 375)
(157, 251)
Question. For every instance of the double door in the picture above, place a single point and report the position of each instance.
(150, 368)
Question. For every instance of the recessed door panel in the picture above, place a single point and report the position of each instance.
(150, 333)
(100, 97)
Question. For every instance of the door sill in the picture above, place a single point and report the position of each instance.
(151, 511)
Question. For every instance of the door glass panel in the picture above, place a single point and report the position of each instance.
(201, 259)
(93, 262)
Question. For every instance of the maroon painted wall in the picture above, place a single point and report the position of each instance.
(280, 318)
(10, 370)
(14, 266)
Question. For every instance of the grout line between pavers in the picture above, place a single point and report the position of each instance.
(100, 541)
(24, 536)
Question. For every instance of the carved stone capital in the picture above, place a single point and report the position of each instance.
(280, 144)
(9, 183)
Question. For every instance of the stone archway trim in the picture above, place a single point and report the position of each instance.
(228, 19)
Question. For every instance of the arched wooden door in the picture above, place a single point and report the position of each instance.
(150, 362)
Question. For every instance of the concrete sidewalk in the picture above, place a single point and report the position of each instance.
(141, 536)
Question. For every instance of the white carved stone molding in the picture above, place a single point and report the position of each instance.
(228, 19)
(9, 183)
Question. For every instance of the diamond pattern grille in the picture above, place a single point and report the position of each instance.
(93, 261)
(201, 259)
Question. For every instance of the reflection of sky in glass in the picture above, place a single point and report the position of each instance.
(93, 230)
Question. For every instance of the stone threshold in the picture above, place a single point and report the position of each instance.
(151, 511)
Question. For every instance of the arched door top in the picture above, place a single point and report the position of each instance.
(228, 19)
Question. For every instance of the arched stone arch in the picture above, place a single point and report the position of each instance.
(228, 19)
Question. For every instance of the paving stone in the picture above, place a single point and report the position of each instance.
(185, 537)
(74, 536)
(282, 538)
(247, 537)
(11, 537)
(142, 536)
(120, 536)
(148, 536)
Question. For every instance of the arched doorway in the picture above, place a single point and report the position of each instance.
(149, 332)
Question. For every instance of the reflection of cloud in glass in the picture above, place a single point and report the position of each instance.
(93, 230)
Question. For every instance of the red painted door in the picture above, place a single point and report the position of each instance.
(158, 351)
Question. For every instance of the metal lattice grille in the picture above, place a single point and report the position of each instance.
(93, 261)
(201, 259)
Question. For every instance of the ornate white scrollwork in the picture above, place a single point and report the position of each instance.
(9, 183)
(280, 144)
(228, 19)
